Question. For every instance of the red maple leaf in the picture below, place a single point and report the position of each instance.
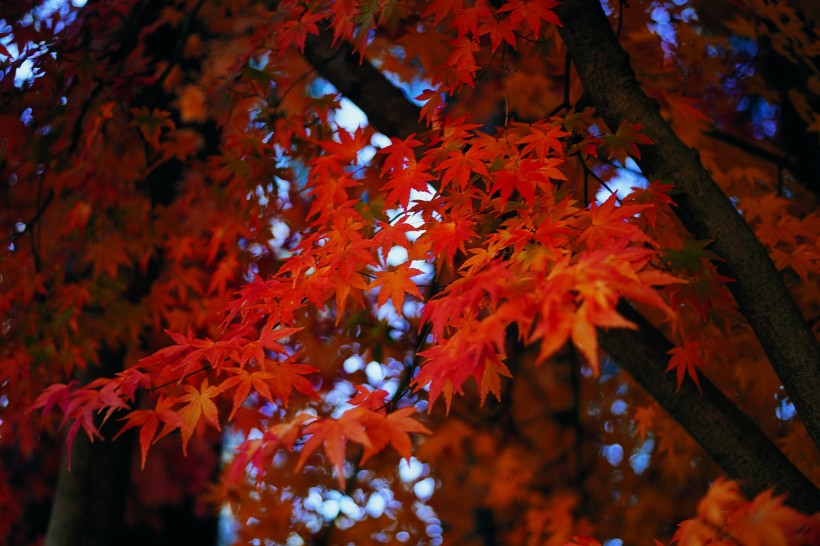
(287, 375)
(611, 226)
(625, 142)
(149, 420)
(334, 434)
(533, 13)
(686, 360)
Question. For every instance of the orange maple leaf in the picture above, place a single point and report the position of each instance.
(244, 380)
(412, 177)
(199, 404)
(259, 452)
(766, 521)
(286, 376)
(462, 59)
(394, 284)
(393, 429)
(644, 417)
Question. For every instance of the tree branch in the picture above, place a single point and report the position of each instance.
(386, 106)
(710, 419)
(704, 209)
(713, 421)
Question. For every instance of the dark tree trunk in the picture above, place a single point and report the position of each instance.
(92, 496)
(89, 500)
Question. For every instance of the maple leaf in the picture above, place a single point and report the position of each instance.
(502, 30)
(286, 376)
(57, 394)
(332, 192)
(532, 12)
(644, 416)
(451, 237)
(689, 257)
(199, 403)
(433, 104)
(225, 272)
(244, 380)
(491, 378)
(151, 123)
(399, 153)
(722, 496)
(373, 400)
(765, 521)
(543, 138)
(79, 406)
(459, 166)
(624, 142)
(395, 284)
(469, 352)
(688, 107)
(389, 235)
(348, 146)
(149, 420)
(296, 30)
(469, 18)
(462, 59)
(269, 338)
(803, 260)
(610, 226)
(402, 182)
(441, 10)
(334, 434)
(393, 429)
(686, 360)
(260, 452)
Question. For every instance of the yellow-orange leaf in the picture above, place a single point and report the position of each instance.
(394, 284)
(198, 404)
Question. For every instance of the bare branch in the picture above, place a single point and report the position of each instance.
(386, 106)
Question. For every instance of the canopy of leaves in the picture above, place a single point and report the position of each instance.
(402, 325)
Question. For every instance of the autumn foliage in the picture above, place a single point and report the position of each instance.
(425, 327)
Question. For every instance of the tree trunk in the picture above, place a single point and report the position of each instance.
(704, 209)
(91, 495)
(89, 501)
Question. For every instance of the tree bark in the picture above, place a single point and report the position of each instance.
(89, 501)
(711, 419)
(704, 209)
(91, 494)
(388, 109)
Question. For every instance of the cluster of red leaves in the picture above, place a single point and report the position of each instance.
(513, 242)
(536, 258)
